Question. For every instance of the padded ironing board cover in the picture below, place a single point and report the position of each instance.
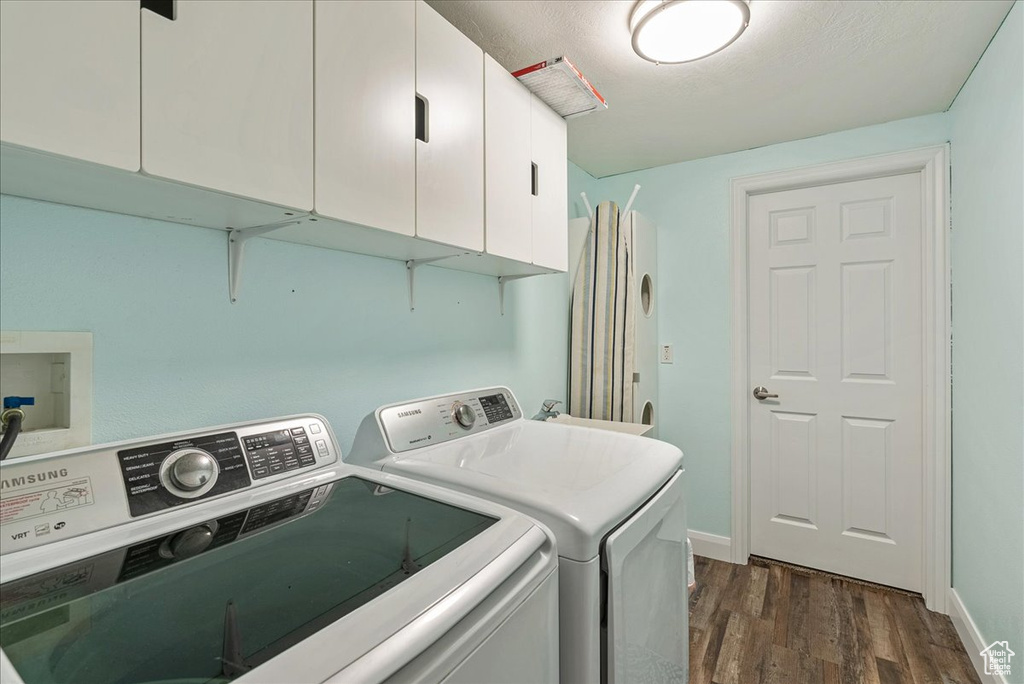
(601, 358)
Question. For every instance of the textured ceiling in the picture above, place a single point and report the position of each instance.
(802, 68)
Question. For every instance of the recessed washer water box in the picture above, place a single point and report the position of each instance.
(55, 368)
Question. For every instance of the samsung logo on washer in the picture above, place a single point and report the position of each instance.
(406, 414)
(33, 478)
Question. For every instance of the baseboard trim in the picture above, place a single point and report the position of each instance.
(973, 642)
(711, 545)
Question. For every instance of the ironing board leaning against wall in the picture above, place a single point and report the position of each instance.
(601, 358)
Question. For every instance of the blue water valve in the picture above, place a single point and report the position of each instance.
(18, 402)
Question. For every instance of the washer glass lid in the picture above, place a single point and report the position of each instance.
(209, 602)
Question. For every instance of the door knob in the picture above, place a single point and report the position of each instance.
(761, 393)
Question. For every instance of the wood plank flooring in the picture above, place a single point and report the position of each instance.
(772, 624)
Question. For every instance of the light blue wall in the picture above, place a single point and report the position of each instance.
(314, 329)
(690, 204)
(580, 181)
(988, 340)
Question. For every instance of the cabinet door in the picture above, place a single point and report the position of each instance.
(508, 174)
(450, 153)
(69, 78)
(227, 98)
(366, 113)
(551, 204)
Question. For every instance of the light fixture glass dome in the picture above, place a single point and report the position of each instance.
(676, 31)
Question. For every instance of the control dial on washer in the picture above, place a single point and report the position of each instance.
(463, 414)
(189, 472)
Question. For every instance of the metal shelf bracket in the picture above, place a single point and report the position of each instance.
(237, 237)
(410, 268)
(501, 288)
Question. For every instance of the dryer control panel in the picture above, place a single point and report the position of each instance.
(441, 419)
(51, 497)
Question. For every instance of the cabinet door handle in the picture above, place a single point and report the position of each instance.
(165, 8)
(422, 118)
(534, 179)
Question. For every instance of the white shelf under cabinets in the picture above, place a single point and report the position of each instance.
(53, 178)
(319, 232)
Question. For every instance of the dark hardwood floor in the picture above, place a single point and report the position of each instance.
(766, 623)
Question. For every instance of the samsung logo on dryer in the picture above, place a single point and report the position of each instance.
(33, 478)
(406, 414)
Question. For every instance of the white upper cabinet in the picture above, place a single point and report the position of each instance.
(69, 79)
(227, 98)
(509, 207)
(450, 144)
(366, 113)
(550, 203)
(244, 113)
(526, 174)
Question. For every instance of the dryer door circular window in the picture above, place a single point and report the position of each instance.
(189, 473)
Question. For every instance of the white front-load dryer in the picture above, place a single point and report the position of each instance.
(615, 503)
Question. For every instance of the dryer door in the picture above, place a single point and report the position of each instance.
(647, 636)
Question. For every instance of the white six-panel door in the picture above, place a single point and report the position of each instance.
(835, 325)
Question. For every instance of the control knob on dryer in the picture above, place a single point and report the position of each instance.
(463, 414)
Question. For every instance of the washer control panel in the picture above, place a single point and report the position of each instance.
(159, 476)
(281, 451)
(441, 419)
(50, 497)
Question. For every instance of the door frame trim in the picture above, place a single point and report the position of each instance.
(933, 165)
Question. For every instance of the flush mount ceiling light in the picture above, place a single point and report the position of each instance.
(677, 31)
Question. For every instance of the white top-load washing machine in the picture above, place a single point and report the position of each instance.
(250, 553)
(614, 501)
